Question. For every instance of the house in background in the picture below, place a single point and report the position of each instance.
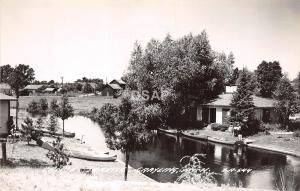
(50, 91)
(111, 90)
(5, 89)
(218, 110)
(5, 113)
(33, 89)
(121, 83)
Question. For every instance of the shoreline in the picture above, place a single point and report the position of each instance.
(221, 140)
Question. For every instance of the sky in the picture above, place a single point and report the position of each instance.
(94, 38)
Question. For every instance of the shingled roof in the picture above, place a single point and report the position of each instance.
(225, 100)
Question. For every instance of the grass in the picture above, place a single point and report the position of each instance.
(80, 104)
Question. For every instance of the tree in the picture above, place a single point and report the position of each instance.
(242, 102)
(64, 111)
(43, 106)
(21, 76)
(87, 88)
(27, 129)
(52, 124)
(54, 106)
(286, 101)
(127, 127)
(268, 75)
(5, 72)
(39, 123)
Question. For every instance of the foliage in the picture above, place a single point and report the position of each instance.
(64, 110)
(5, 72)
(128, 126)
(87, 88)
(39, 123)
(268, 75)
(193, 171)
(54, 106)
(52, 124)
(33, 107)
(27, 129)
(59, 158)
(294, 124)
(181, 69)
(43, 105)
(40, 107)
(242, 103)
(296, 133)
(219, 127)
(267, 127)
(234, 77)
(21, 76)
(285, 101)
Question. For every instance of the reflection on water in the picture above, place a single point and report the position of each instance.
(269, 170)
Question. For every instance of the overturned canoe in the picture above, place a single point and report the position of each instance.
(92, 157)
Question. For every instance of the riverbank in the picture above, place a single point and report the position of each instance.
(286, 144)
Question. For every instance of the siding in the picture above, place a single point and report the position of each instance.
(4, 112)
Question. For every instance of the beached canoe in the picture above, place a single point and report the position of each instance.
(92, 157)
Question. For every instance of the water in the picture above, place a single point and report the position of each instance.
(166, 151)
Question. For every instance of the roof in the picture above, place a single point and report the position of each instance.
(114, 86)
(6, 97)
(118, 81)
(4, 86)
(49, 89)
(225, 100)
(33, 87)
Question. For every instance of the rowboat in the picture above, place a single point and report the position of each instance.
(92, 157)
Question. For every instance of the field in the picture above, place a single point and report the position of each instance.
(79, 103)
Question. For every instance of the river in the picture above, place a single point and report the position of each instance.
(269, 169)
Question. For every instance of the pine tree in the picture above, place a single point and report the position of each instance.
(39, 123)
(242, 102)
(286, 101)
(52, 124)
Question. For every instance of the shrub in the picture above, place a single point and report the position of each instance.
(52, 124)
(219, 127)
(193, 173)
(59, 158)
(43, 106)
(269, 127)
(294, 124)
(33, 107)
(296, 133)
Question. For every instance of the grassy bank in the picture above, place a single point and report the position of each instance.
(79, 103)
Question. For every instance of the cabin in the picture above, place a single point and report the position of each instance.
(33, 89)
(111, 90)
(5, 113)
(218, 110)
(50, 91)
(121, 83)
(5, 89)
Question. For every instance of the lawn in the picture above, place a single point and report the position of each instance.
(79, 103)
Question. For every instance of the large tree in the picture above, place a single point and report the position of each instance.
(5, 72)
(242, 102)
(268, 75)
(286, 101)
(21, 76)
(180, 70)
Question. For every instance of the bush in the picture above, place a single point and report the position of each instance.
(43, 106)
(294, 124)
(269, 127)
(59, 158)
(52, 124)
(296, 133)
(219, 127)
(33, 107)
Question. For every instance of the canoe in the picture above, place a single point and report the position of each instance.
(92, 157)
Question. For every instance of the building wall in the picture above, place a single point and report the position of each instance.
(199, 113)
(107, 92)
(4, 114)
(219, 115)
(258, 114)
